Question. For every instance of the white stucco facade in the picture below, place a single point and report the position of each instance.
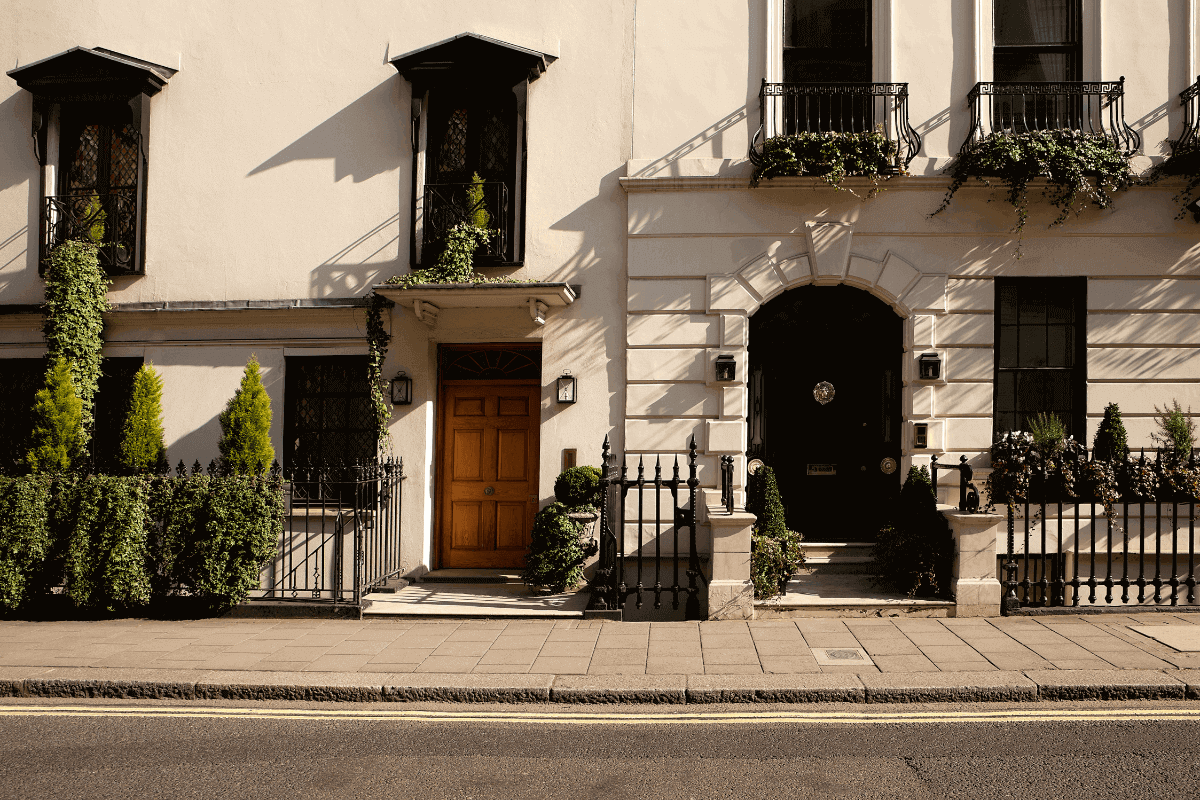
(280, 191)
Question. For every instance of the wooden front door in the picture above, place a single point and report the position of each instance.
(488, 475)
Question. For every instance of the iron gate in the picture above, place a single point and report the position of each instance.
(632, 566)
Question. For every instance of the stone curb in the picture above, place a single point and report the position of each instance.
(910, 687)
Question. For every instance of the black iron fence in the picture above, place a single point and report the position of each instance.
(1093, 107)
(786, 109)
(634, 563)
(109, 220)
(1103, 533)
(482, 204)
(1189, 98)
(341, 533)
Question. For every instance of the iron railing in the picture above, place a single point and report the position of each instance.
(1074, 551)
(1189, 98)
(786, 109)
(629, 560)
(1092, 107)
(341, 533)
(727, 483)
(110, 220)
(448, 204)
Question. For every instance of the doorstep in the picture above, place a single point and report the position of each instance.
(474, 600)
(845, 595)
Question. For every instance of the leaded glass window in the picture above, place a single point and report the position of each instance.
(328, 417)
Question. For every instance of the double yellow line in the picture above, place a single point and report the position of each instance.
(609, 718)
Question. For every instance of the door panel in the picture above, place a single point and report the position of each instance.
(487, 476)
(830, 459)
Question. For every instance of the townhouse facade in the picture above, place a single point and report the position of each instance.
(263, 172)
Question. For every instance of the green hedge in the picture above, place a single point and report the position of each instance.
(119, 543)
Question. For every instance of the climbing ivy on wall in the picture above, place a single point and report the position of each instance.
(378, 340)
(76, 299)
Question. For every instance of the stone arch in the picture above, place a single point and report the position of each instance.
(828, 261)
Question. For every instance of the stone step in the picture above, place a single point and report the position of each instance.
(838, 558)
(845, 595)
(493, 576)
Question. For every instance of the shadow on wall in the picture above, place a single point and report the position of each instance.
(666, 165)
(354, 269)
(17, 164)
(364, 139)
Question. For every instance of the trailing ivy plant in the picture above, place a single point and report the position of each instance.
(76, 299)
(1184, 161)
(1079, 168)
(378, 340)
(832, 157)
(455, 264)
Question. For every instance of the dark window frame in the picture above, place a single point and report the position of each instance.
(295, 392)
(1011, 365)
(1074, 50)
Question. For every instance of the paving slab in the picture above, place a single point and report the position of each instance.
(1185, 638)
(798, 688)
(468, 688)
(617, 688)
(1115, 684)
(12, 679)
(948, 687)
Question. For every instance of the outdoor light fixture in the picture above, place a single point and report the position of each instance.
(1194, 207)
(566, 387)
(401, 389)
(930, 366)
(726, 368)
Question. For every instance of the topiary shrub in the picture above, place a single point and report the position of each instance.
(775, 551)
(228, 536)
(25, 541)
(57, 437)
(914, 552)
(246, 426)
(1111, 442)
(106, 565)
(578, 486)
(557, 550)
(142, 447)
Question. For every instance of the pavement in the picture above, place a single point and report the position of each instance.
(1150, 655)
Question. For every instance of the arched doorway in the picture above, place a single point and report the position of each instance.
(837, 461)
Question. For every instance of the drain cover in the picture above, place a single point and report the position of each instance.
(841, 656)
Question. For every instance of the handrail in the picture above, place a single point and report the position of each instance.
(830, 107)
(1189, 98)
(448, 204)
(1092, 107)
(109, 219)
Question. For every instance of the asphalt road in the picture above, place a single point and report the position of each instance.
(162, 749)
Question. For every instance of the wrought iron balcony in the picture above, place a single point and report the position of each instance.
(448, 204)
(786, 109)
(110, 220)
(1094, 107)
(1189, 98)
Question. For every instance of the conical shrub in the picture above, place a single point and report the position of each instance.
(246, 426)
(57, 436)
(1111, 442)
(142, 446)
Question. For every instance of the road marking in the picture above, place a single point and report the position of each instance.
(613, 718)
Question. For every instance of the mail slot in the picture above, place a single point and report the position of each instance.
(822, 469)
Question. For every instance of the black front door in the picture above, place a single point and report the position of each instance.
(825, 407)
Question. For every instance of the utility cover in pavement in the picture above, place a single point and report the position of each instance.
(1185, 638)
(841, 656)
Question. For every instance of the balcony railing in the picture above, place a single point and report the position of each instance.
(448, 204)
(110, 220)
(1189, 98)
(786, 109)
(1094, 107)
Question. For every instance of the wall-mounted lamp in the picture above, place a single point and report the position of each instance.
(929, 367)
(566, 387)
(1194, 207)
(920, 436)
(401, 389)
(726, 368)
